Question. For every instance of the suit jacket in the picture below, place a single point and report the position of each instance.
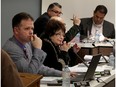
(40, 27)
(86, 24)
(9, 73)
(40, 24)
(34, 63)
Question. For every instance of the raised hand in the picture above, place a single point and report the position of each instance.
(76, 20)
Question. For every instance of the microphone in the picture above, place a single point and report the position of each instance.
(110, 42)
(113, 44)
(75, 51)
(93, 44)
(82, 60)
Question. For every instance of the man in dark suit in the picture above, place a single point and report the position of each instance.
(89, 26)
(54, 9)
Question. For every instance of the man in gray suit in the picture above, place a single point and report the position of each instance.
(25, 48)
(89, 26)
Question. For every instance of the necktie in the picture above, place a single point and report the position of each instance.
(26, 54)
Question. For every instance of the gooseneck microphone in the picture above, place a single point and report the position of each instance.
(110, 42)
(79, 56)
(93, 44)
(82, 60)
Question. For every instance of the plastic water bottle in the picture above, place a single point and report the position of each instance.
(66, 76)
(78, 37)
(97, 36)
(112, 60)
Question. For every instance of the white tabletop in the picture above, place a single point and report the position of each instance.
(92, 83)
(90, 45)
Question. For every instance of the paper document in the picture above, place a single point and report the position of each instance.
(78, 68)
(50, 79)
(89, 57)
(103, 67)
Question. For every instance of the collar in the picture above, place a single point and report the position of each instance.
(98, 25)
(19, 44)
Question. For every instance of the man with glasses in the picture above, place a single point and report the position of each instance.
(55, 9)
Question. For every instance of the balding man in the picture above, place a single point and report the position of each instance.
(54, 9)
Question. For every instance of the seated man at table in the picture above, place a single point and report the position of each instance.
(24, 47)
(89, 26)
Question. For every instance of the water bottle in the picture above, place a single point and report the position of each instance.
(111, 60)
(66, 76)
(97, 36)
(76, 39)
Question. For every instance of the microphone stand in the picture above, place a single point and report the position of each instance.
(93, 44)
(82, 60)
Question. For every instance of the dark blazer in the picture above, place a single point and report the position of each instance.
(86, 24)
(40, 27)
(40, 24)
(54, 54)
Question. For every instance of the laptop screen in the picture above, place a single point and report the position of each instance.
(89, 75)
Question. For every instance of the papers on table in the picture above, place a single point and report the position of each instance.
(46, 80)
(104, 44)
(89, 57)
(103, 67)
(83, 68)
(78, 68)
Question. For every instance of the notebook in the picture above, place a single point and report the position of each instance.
(89, 75)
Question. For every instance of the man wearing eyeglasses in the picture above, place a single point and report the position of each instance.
(55, 9)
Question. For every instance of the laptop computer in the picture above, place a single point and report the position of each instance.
(89, 75)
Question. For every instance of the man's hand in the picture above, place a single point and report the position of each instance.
(36, 41)
(73, 74)
(76, 21)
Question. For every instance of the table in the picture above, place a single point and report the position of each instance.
(94, 48)
(109, 82)
(30, 80)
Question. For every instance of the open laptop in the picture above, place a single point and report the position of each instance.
(89, 75)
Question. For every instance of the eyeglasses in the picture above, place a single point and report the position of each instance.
(60, 34)
(57, 12)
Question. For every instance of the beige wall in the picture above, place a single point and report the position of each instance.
(82, 8)
(11, 7)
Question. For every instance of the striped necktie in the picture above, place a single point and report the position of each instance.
(26, 54)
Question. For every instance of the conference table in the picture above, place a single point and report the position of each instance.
(105, 81)
(92, 48)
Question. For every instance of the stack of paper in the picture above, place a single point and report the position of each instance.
(46, 80)
(78, 68)
(89, 57)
